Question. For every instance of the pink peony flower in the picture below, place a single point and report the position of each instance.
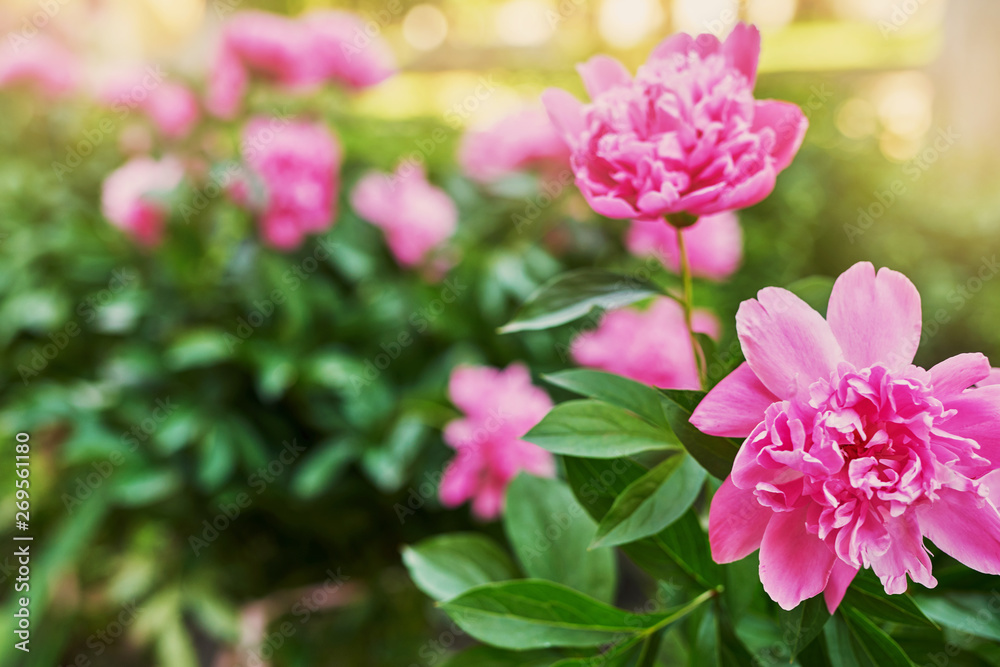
(714, 244)
(685, 135)
(296, 54)
(41, 62)
(500, 406)
(341, 50)
(651, 346)
(415, 215)
(852, 454)
(518, 141)
(172, 107)
(132, 196)
(298, 168)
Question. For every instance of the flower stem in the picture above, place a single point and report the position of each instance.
(688, 304)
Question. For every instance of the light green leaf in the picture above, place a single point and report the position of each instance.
(548, 529)
(641, 399)
(538, 614)
(595, 429)
(448, 565)
(574, 294)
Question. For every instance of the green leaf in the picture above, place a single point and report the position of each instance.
(714, 454)
(872, 646)
(618, 654)
(538, 614)
(322, 467)
(686, 543)
(597, 430)
(839, 644)
(962, 611)
(446, 566)
(641, 399)
(137, 487)
(548, 529)
(200, 347)
(597, 483)
(387, 465)
(487, 656)
(217, 457)
(867, 595)
(574, 294)
(653, 502)
(814, 290)
(706, 645)
(803, 624)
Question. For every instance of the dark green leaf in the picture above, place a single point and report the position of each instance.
(548, 530)
(839, 643)
(487, 656)
(597, 430)
(803, 624)
(448, 565)
(653, 502)
(867, 595)
(321, 467)
(597, 482)
(872, 646)
(618, 654)
(614, 389)
(714, 454)
(574, 294)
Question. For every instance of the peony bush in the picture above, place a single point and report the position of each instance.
(298, 397)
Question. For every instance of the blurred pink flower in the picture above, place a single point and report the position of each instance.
(172, 107)
(651, 346)
(41, 62)
(714, 244)
(500, 406)
(852, 454)
(415, 215)
(132, 196)
(341, 50)
(685, 135)
(520, 140)
(294, 53)
(298, 168)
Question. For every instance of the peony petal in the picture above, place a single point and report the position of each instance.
(611, 207)
(735, 406)
(794, 565)
(977, 417)
(789, 125)
(565, 112)
(876, 318)
(742, 49)
(787, 344)
(965, 526)
(745, 193)
(677, 44)
(736, 523)
(955, 375)
(841, 577)
(601, 73)
(906, 556)
(993, 378)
